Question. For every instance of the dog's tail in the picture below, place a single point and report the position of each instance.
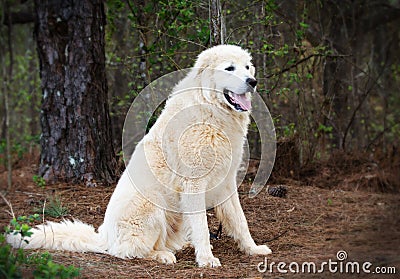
(67, 235)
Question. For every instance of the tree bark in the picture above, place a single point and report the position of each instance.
(217, 24)
(76, 137)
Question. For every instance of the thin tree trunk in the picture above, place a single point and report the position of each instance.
(76, 129)
(337, 72)
(9, 76)
(217, 23)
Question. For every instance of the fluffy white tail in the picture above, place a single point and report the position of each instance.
(67, 235)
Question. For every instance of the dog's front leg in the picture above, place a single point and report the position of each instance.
(195, 219)
(231, 214)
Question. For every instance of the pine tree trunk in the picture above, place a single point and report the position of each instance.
(76, 134)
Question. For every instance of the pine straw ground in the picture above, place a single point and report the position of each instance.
(312, 223)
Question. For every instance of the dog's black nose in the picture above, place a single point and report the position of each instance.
(252, 82)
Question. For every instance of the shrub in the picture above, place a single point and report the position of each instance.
(14, 261)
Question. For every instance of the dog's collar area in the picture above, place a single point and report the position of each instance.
(238, 101)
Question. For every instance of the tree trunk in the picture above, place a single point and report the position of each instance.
(337, 71)
(76, 134)
(7, 89)
(217, 24)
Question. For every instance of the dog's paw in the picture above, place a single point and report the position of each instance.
(164, 257)
(260, 250)
(208, 261)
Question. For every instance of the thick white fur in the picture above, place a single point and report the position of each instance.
(194, 147)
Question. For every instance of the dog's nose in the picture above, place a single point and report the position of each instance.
(252, 82)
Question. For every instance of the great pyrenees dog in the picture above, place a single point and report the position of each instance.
(186, 164)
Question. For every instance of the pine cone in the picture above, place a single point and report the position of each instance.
(277, 191)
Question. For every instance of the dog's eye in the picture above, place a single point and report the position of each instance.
(247, 67)
(230, 69)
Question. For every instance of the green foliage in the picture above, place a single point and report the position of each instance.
(17, 151)
(14, 261)
(303, 26)
(23, 89)
(46, 268)
(289, 130)
(18, 148)
(292, 49)
(54, 208)
(323, 129)
(20, 225)
(39, 181)
(10, 260)
(164, 36)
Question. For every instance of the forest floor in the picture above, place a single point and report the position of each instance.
(327, 211)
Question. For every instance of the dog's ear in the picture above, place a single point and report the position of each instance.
(199, 70)
(207, 82)
(203, 72)
(207, 78)
(203, 62)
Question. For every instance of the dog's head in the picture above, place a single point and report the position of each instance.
(227, 77)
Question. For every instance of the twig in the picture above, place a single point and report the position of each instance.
(11, 212)
(319, 216)
(276, 237)
(29, 193)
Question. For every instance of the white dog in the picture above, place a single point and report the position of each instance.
(186, 164)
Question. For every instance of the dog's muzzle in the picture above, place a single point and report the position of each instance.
(238, 101)
(241, 102)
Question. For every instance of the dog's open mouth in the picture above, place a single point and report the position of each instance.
(239, 101)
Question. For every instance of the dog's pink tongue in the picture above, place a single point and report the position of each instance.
(243, 101)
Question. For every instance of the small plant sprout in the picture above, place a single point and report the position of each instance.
(39, 181)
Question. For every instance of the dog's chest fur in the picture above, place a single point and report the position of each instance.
(202, 143)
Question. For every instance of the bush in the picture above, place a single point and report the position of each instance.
(14, 261)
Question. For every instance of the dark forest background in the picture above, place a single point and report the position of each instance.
(329, 71)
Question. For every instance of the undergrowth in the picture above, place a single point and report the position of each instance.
(13, 262)
(54, 208)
